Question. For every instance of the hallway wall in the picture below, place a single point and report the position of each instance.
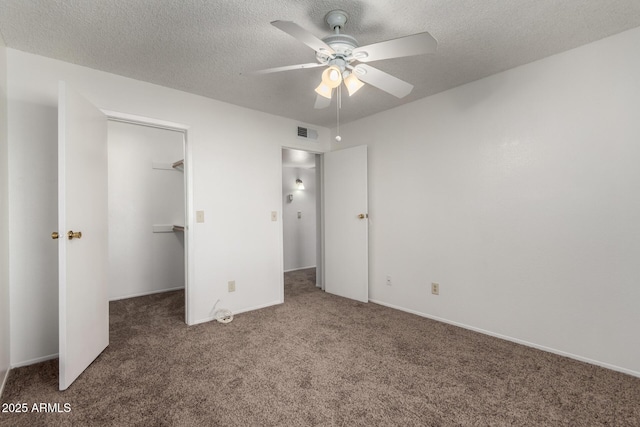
(299, 233)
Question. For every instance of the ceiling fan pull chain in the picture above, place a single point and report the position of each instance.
(338, 105)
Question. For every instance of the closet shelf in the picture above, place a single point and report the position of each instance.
(167, 228)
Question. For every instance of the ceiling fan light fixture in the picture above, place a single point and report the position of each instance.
(352, 83)
(338, 51)
(332, 76)
(324, 90)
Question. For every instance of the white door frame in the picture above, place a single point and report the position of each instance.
(188, 185)
(319, 221)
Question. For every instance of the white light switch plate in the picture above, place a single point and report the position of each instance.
(199, 216)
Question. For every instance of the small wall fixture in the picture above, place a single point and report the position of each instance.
(290, 198)
(299, 184)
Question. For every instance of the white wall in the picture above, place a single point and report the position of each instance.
(236, 167)
(520, 195)
(142, 261)
(4, 222)
(299, 233)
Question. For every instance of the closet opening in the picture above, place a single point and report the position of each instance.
(147, 201)
(301, 217)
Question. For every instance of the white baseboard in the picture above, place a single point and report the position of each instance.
(34, 361)
(4, 381)
(299, 268)
(244, 310)
(515, 340)
(142, 294)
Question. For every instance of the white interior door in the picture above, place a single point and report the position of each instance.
(82, 208)
(346, 223)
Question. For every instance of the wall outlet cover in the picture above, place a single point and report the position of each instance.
(435, 289)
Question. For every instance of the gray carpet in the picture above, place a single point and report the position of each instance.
(318, 360)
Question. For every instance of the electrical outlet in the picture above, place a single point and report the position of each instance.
(232, 286)
(388, 280)
(435, 288)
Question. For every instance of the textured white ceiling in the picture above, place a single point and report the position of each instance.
(202, 46)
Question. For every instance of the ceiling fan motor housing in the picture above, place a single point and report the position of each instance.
(342, 45)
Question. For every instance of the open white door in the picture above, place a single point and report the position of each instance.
(83, 259)
(346, 223)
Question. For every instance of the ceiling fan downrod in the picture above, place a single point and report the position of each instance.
(342, 44)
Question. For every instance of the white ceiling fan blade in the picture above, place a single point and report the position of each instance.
(382, 80)
(303, 35)
(286, 68)
(321, 102)
(417, 44)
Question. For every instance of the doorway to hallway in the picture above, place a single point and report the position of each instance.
(301, 196)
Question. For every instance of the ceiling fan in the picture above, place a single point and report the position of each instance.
(346, 61)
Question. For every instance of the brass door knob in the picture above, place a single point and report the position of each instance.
(55, 235)
(72, 235)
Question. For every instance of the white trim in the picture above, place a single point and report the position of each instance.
(188, 191)
(34, 361)
(515, 340)
(244, 310)
(299, 268)
(142, 294)
(280, 239)
(144, 121)
(319, 221)
(4, 381)
(320, 258)
(189, 218)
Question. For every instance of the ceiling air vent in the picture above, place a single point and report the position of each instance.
(307, 133)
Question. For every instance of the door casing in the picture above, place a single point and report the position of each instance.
(188, 185)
